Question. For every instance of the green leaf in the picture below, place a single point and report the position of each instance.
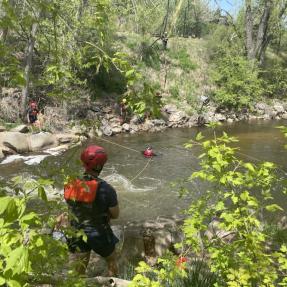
(2, 281)
(249, 166)
(4, 203)
(42, 193)
(14, 283)
(273, 207)
(18, 260)
(129, 73)
(199, 136)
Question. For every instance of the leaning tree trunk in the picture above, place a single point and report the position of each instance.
(257, 41)
(249, 31)
(262, 35)
(28, 67)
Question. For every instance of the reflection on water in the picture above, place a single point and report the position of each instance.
(150, 194)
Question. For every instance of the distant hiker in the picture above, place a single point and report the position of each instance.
(204, 100)
(92, 202)
(148, 152)
(123, 110)
(32, 113)
(164, 39)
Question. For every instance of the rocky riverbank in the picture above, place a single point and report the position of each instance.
(110, 123)
(79, 121)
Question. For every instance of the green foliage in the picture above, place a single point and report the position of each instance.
(144, 100)
(28, 252)
(150, 55)
(183, 59)
(275, 81)
(237, 81)
(174, 91)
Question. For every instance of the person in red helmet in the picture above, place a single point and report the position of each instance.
(32, 113)
(92, 202)
(148, 152)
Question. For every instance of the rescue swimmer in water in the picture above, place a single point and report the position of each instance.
(148, 152)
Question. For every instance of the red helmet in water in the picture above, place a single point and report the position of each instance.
(94, 156)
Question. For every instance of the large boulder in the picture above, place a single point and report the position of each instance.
(15, 140)
(41, 141)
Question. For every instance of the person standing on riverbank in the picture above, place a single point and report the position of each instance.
(92, 202)
(32, 113)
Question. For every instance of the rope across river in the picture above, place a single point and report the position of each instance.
(130, 149)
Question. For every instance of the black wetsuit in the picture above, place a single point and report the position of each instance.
(93, 219)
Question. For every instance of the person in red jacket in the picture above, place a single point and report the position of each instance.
(93, 203)
(148, 152)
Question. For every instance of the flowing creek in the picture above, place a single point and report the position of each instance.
(148, 194)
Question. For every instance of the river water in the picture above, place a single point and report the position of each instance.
(144, 187)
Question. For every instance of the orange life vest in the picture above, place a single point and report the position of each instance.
(81, 190)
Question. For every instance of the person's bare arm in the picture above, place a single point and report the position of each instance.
(114, 212)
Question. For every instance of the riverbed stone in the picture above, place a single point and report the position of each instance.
(178, 118)
(284, 116)
(2, 129)
(170, 109)
(20, 129)
(126, 127)
(107, 130)
(278, 108)
(158, 122)
(117, 129)
(134, 128)
(260, 106)
(218, 117)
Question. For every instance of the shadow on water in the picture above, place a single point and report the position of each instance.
(150, 194)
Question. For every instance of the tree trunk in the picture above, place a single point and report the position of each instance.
(28, 67)
(249, 31)
(261, 42)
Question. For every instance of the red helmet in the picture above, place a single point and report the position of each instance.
(33, 105)
(93, 156)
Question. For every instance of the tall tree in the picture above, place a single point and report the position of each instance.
(258, 34)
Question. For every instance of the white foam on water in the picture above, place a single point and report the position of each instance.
(29, 160)
(56, 150)
(11, 158)
(33, 160)
(122, 183)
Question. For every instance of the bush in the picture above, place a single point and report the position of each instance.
(275, 81)
(237, 81)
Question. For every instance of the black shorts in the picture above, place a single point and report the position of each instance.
(102, 243)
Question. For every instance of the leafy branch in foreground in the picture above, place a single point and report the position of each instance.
(237, 204)
(27, 251)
